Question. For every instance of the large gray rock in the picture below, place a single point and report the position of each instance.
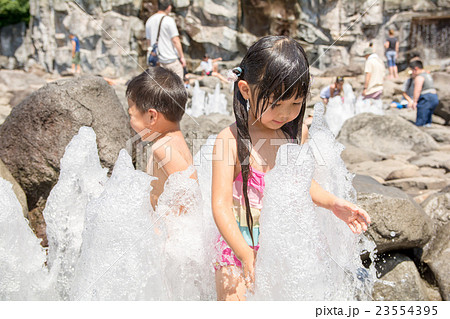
(20, 194)
(400, 280)
(397, 221)
(437, 256)
(34, 136)
(385, 134)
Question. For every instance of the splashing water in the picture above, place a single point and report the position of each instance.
(81, 180)
(338, 110)
(317, 254)
(198, 101)
(23, 275)
(107, 243)
(205, 103)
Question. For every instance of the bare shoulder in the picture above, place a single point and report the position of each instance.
(225, 144)
(227, 136)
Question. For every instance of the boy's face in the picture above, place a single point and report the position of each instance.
(142, 123)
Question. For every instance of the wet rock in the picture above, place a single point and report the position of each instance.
(385, 135)
(437, 256)
(35, 134)
(397, 221)
(37, 221)
(18, 191)
(400, 280)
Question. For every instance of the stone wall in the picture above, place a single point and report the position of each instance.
(223, 28)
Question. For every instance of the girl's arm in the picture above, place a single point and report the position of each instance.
(223, 166)
(386, 44)
(355, 217)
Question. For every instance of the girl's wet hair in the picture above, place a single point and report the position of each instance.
(276, 69)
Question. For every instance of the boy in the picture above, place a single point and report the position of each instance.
(156, 100)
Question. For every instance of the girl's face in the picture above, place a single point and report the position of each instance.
(281, 112)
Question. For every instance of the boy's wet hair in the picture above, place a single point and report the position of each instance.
(276, 69)
(416, 63)
(160, 89)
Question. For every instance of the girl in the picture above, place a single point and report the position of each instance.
(270, 91)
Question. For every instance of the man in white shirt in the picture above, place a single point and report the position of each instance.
(374, 70)
(170, 51)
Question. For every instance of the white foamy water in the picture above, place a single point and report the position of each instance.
(23, 275)
(81, 180)
(338, 110)
(120, 252)
(316, 253)
(206, 103)
(107, 243)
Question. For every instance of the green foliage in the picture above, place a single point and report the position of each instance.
(14, 11)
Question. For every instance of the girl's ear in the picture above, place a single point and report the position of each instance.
(244, 88)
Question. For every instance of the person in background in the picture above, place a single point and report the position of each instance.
(332, 90)
(75, 53)
(425, 99)
(374, 71)
(170, 51)
(407, 93)
(391, 46)
(210, 67)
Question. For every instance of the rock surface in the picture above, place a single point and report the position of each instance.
(34, 136)
(437, 256)
(397, 221)
(219, 28)
(437, 206)
(385, 134)
(400, 280)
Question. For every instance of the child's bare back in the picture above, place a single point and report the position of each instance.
(169, 154)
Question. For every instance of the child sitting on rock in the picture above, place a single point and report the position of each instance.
(211, 68)
(156, 100)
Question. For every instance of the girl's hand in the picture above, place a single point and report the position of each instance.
(356, 218)
(248, 265)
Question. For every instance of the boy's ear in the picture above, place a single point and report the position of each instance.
(152, 116)
(244, 88)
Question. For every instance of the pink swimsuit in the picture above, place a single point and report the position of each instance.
(225, 255)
